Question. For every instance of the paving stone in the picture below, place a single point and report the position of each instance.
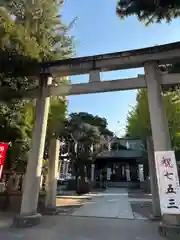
(112, 203)
(85, 228)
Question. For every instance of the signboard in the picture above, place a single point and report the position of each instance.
(3, 150)
(168, 182)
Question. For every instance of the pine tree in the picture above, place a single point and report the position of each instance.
(149, 11)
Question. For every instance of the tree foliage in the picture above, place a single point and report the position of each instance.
(138, 120)
(57, 116)
(149, 11)
(30, 32)
(33, 29)
(87, 135)
(16, 120)
(97, 121)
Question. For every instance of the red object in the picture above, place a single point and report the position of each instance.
(3, 150)
(167, 162)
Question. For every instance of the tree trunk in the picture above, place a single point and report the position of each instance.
(88, 169)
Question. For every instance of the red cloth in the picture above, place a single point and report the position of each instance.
(3, 150)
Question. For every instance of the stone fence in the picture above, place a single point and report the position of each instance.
(11, 188)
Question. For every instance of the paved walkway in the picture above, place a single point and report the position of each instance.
(82, 228)
(112, 203)
(107, 216)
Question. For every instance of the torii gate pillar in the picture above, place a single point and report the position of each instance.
(28, 214)
(53, 163)
(170, 224)
(159, 123)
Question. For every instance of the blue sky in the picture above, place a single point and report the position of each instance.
(98, 30)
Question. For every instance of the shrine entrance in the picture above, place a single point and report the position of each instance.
(153, 79)
(124, 165)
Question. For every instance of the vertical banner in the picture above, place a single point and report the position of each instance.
(92, 172)
(141, 172)
(109, 172)
(3, 150)
(168, 182)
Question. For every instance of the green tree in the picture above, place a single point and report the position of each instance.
(87, 135)
(30, 32)
(57, 115)
(83, 136)
(149, 11)
(138, 120)
(97, 121)
(16, 127)
(41, 21)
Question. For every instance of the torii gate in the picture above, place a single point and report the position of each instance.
(149, 58)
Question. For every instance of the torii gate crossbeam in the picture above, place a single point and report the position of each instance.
(163, 54)
(63, 89)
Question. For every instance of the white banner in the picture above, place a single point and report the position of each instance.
(92, 172)
(109, 172)
(168, 182)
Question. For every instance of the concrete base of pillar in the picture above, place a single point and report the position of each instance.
(50, 211)
(169, 231)
(170, 226)
(171, 219)
(155, 218)
(25, 221)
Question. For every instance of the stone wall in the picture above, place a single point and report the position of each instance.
(14, 203)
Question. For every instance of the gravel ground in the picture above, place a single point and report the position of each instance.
(143, 209)
(138, 193)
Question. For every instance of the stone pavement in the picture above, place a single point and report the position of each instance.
(112, 203)
(108, 215)
(82, 228)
